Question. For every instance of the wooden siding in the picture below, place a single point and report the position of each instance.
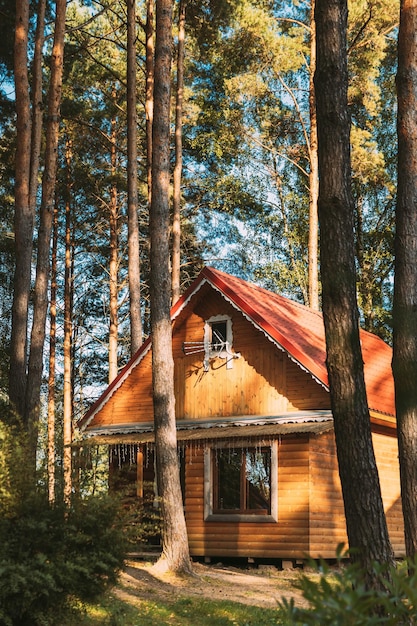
(386, 454)
(310, 504)
(327, 517)
(254, 384)
(262, 381)
(132, 402)
(302, 391)
(327, 521)
(287, 538)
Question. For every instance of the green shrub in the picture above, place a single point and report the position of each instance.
(49, 554)
(340, 597)
(142, 518)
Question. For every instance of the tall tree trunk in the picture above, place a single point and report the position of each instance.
(405, 287)
(29, 132)
(52, 363)
(68, 402)
(44, 236)
(132, 184)
(175, 552)
(313, 229)
(150, 53)
(24, 215)
(176, 218)
(37, 105)
(113, 264)
(365, 518)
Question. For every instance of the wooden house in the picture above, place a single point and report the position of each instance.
(254, 425)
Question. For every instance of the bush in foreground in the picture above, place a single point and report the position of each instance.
(341, 598)
(49, 553)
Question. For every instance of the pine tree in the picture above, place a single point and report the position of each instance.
(365, 518)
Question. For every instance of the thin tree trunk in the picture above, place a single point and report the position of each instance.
(113, 263)
(44, 236)
(132, 185)
(24, 215)
(37, 105)
(150, 53)
(75, 473)
(175, 552)
(313, 230)
(364, 511)
(405, 289)
(52, 363)
(176, 219)
(68, 403)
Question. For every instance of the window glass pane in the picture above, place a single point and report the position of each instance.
(229, 464)
(218, 334)
(258, 479)
(242, 481)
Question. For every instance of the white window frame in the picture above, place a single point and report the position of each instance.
(209, 516)
(224, 353)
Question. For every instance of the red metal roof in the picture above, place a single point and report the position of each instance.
(300, 331)
(294, 327)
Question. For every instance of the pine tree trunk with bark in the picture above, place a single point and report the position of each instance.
(52, 363)
(37, 105)
(176, 219)
(365, 518)
(175, 551)
(24, 214)
(405, 285)
(68, 396)
(132, 185)
(313, 223)
(114, 254)
(149, 69)
(37, 340)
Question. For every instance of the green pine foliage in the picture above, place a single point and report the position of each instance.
(49, 553)
(341, 597)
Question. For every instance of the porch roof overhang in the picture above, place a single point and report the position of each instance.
(300, 422)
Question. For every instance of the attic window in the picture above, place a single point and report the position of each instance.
(218, 340)
(218, 335)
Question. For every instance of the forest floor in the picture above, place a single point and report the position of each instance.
(263, 586)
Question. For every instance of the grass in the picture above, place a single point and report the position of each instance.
(111, 611)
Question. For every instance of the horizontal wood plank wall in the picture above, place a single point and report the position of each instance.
(327, 515)
(386, 454)
(327, 521)
(287, 538)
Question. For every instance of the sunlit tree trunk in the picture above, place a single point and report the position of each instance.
(405, 289)
(132, 184)
(175, 552)
(313, 229)
(149, 69)
(52, 363)
(365, 518)
(68, 402)
(176, 219)
(113, 264)
(24, 215)
(44, 235)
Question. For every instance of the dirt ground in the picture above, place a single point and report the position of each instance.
(263, 586)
